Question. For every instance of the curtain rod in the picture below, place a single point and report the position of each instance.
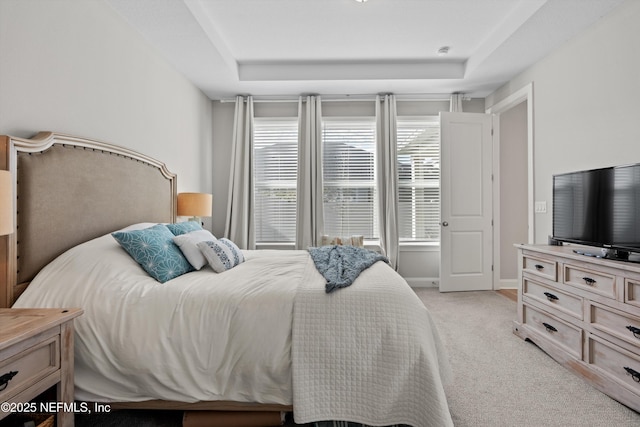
(347, 98)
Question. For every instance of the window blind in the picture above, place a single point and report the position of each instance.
(419, 179)
(275, 177)
(349, 180)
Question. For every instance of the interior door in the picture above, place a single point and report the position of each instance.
(466, 257)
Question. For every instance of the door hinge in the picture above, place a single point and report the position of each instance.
(491, 131)
(492, 268)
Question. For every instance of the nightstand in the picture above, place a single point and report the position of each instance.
(36, 353)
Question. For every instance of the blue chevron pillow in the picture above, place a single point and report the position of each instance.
(154, 250)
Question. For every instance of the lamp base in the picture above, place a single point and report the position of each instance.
(196, 219)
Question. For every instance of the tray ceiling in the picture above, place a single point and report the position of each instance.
(289, 47)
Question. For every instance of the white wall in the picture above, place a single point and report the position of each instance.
(585, 103)
(76, 67)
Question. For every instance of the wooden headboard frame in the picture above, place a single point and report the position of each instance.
(69, 190)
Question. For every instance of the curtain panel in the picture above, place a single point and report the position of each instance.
(387, 176)
(455, 103)
(240, 226)
(310, 218)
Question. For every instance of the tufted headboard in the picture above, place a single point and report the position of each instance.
(69, 190)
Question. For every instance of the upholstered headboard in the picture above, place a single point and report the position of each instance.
(70, 190)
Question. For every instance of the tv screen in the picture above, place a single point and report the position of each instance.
(599, 207)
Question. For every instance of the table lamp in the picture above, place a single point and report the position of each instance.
(194, 205)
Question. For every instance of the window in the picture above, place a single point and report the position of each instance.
(419, 179)
(275, 178)
(349, 179)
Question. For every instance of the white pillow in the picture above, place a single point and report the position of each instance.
(222, 254)
(187, 243)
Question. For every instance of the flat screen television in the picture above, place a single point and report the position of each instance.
(599, 207)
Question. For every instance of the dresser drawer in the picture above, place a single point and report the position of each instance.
(618, 364)
(591, 280)
(30, 366)
(616, 323)
(553, 298)
(539, 266)
(632, 292)
(561, 333)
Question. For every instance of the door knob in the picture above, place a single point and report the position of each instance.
(445, 224)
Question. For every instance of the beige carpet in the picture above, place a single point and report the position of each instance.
(501, 380)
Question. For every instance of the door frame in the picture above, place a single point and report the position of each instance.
(523, 94)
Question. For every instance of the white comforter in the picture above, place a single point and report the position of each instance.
(201, 336)
(367, 353)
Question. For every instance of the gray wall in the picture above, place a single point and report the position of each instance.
(585, 103)
(513, 190)
(223, 113)
(76, 67)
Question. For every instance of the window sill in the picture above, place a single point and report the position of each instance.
(369, 244)
(419, 246)
(276, 245)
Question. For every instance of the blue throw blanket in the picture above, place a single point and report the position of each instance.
(341, 265)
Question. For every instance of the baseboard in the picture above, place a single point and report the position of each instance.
(434, 282)
(423, 282)
(508, 284)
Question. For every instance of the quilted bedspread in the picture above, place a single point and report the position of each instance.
(369, 353)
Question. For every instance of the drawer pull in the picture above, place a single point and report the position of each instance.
(5, 378)
(539, 267)
(551, 297)
(635, 331)
(589, 281)
(549, 328)
(635, 374)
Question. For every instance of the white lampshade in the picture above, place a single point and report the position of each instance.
(194, 204)
(6, 203)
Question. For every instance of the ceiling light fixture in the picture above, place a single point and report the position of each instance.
(361, 1)
(444, 50)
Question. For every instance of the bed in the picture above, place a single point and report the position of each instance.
(263, 335)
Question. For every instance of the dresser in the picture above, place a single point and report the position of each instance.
(36, 353)
(584, 312)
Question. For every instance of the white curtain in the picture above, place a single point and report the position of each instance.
(310, 218)
(456, 103)
(387, 176)
(240, 226)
